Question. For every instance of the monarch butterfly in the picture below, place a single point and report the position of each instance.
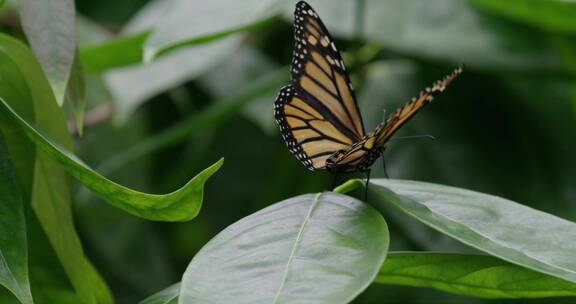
(318, 114)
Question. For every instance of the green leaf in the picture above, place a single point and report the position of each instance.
(211, 118)
(13, 243)
(313, 248)
(51, 30)
(121, 51)
(22, 151)
(24, 81)
(125, 84)
(55, 295)
(51, 203)
(193, 22)
(180, 205)
(470, 274)
(349, 185)
(552, 15)
(427, 29)
(166, 296)
(236, 72)
(76, 94)
(508, 230)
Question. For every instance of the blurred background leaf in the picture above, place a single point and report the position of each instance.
(50, 27)
(14, 245)
(193, 22)
(126, 84)
(76, 95)
(553, 15)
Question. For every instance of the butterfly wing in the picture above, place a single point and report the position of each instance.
(358, 157)
(320, 98)
(309, 135)
(362, 154)
(384, 131)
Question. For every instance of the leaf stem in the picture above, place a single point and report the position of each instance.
(348, 186)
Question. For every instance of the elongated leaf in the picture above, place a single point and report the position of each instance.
(127, 47)
(180, 205)
(314, 248)
(21, 150)
(470, 274)
(166, 296)
(24, 81)
(554, 14)
(126, 87)
(76, 94)
(239, 71)
(13, 243)
(192, 22)
(508, 230)
(213, 117)
(51, 30)
(51, 203)
(121, 51)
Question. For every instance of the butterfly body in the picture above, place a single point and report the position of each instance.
(318, 114)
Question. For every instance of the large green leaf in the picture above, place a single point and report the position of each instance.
(50, 27)
(180, 205)
(313, 248)
(13, 243)
(508, 230)
(470, 274)
(24, 82)
(192, 22)
(553, 14)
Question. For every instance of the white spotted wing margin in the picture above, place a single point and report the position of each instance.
(285, 96)
(317, 113)
(319, 73)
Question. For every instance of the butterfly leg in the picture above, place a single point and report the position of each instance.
(366, 185)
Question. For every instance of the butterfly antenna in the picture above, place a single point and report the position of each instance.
(425, 136)
(366, 185)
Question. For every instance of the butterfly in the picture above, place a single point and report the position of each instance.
(318, 113)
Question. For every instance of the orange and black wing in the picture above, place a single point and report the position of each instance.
(309, 134)
(362, 154)
(320, 102)
(385, 130)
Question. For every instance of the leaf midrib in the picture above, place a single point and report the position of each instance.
(294, 247)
